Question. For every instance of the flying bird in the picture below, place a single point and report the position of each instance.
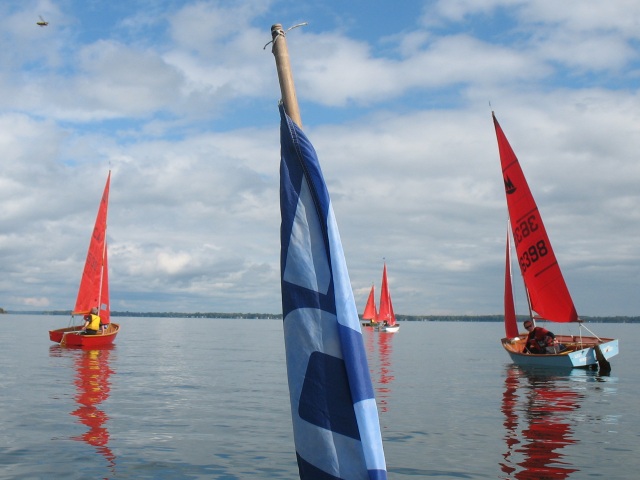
(42, 22)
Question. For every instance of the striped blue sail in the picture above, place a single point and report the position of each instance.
(335, 419)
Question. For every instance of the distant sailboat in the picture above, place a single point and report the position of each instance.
(547, 291)
(94, 288)
(370, 314)
(386, 316)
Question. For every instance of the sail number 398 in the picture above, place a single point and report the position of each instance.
(532, 255)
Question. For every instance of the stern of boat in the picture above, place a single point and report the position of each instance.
(610, 348)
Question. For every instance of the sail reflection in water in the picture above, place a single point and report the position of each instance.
(539, 411)
(93, 385)
(379, 348)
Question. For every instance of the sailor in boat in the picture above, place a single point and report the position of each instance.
(91, 323)
(540, 340)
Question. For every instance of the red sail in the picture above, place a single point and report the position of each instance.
(510, 323)
(386, 307)
(370, 312)
(548, 292)
(105, 308)
(91, 283)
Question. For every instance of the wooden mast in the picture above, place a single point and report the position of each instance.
(285, 76)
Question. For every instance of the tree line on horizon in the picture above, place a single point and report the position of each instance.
(278, 316)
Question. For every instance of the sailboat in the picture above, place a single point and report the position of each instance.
(386, 317)
(370, 314)
(547, 293)
(94, 289)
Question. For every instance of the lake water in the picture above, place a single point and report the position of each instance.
(202, 398)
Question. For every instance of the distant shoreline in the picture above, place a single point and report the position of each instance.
(276, 316)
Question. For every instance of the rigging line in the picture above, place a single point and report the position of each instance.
(284, 33)
(582, 325)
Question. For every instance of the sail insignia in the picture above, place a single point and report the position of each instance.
(509, 186)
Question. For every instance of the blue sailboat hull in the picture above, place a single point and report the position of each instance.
(581, 353)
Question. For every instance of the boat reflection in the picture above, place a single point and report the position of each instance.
(386, 376)
(540, 414)
(379, 347)
(93, 386)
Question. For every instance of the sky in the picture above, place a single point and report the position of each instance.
(179, 100)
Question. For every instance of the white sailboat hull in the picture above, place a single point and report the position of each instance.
(389, 329)
(581, 352)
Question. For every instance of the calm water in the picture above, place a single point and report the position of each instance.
(178, 398)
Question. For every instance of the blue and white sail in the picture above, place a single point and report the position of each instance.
(335, 419)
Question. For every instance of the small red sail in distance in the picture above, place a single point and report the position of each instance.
(370, 312)
(385, 314)
(92, 280)
(548, 292)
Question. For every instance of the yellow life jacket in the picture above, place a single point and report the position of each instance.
(94, 323)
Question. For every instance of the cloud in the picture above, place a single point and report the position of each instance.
(336, 71)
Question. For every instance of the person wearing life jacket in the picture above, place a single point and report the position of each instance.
(540, 340)
(91, 322)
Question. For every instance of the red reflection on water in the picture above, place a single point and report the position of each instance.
(538, 409)
(509, 401)
(385, 349)
(379, 348)
(368, 335)
(93, 386)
